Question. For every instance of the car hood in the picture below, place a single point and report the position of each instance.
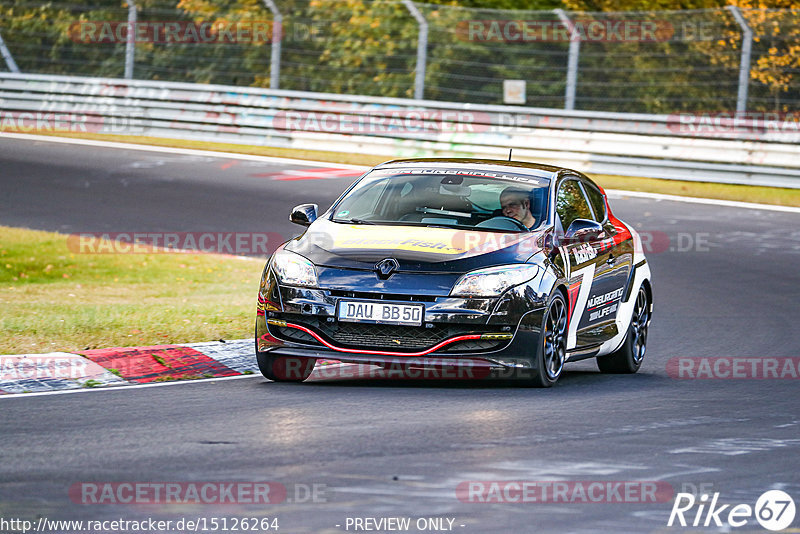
(416, 249)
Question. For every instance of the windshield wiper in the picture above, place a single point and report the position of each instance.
(362, 221)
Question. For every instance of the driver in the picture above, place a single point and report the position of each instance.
(516, 204)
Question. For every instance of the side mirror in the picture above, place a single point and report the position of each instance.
(304, 214)
(583, 231)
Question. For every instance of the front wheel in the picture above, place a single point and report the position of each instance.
(628, 358)
(552, 350)
(284, 368)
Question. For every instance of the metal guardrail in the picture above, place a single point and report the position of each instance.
(594, 142)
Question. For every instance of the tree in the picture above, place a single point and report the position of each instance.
(776, 50)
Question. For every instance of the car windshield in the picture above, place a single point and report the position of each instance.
(457, 198)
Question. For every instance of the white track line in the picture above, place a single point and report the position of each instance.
(185, 151)
(312, 163)
(125, 387)
(616, 193)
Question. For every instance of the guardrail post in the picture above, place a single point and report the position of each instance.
(275, 52)
(744, 62)
(572, 59)
(130, 45)
(12, 66)
(422, 49)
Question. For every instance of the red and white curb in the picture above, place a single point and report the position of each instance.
(127, 366)
(24, 373)
(54, 371)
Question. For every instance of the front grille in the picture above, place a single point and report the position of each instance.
(384, 336)
(396, 338)
(380, 296)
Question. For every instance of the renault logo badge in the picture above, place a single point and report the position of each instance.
(385, 268)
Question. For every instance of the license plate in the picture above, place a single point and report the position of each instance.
(380, 312)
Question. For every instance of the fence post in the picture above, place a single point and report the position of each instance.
(275, 52)
(422, 49)
(130, 44)
(12, 66)
(744, 63)
(572, 59)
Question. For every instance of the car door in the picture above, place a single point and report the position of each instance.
(613, 265)
(594, 286)
(580, 257)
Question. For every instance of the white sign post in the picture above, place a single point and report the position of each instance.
(513, 91)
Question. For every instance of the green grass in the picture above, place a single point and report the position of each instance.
(54, 299)
(743, 193)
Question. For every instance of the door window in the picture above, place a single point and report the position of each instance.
(596, 199)
(571, 204)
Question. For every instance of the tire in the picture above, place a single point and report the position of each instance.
(551, 351)
(284, 368)
(628, 358)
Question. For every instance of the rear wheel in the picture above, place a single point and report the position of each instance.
(552, 350)
(628, 358)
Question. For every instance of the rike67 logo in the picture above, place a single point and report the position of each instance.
(774, 510)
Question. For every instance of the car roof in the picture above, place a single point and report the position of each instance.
(534, 169)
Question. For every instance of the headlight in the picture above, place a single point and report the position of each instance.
(293, 269)
(493, 281)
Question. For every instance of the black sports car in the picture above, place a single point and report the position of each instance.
(458, 262)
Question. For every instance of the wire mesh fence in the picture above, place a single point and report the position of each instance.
(647, 62)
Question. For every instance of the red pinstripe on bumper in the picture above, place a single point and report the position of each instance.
(466, 337)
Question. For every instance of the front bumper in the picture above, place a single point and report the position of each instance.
(483, 332)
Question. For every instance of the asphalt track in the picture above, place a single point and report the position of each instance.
(726, 284)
